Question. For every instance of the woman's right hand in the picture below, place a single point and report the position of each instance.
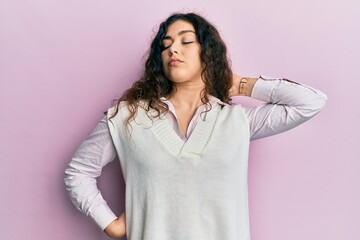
(117, 228)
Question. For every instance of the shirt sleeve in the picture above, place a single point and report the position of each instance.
(94, 153)
(287, 105)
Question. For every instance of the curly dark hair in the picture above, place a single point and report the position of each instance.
(153, 85)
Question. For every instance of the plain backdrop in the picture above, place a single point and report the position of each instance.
(63, 62)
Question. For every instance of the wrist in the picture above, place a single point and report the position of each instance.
(243, 86)
(116, 228)
(246, 85)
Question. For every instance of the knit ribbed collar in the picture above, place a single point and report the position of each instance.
(197, 140)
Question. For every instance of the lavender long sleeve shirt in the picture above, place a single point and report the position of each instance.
(287, 104)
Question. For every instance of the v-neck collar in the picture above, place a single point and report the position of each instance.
(196, 141)
(174, 119)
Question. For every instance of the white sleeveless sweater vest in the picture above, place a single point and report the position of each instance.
(193, 190)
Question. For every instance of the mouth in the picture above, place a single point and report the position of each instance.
(174, 62)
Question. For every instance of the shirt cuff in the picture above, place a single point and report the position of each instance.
(264, 88)
(102, 216)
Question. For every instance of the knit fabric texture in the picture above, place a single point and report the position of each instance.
(194, 189)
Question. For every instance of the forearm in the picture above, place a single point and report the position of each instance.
(117, 228)
(282, 91)
(93, 154)
(288, 104)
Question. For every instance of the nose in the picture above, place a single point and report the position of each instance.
(173, 49)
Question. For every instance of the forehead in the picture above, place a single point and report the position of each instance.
(178, 26)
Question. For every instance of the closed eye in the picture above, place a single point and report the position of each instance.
(164, 48)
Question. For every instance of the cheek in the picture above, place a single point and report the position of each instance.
(163, 59)
(163, 65)
(197, 61)
(197, 58)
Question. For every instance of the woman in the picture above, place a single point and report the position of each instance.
(183, 148)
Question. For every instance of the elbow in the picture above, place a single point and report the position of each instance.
(314, 106)
(321, 102)
(67, 177)
(75, 188)
(70, 179)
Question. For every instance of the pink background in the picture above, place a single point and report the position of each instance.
(63, 62)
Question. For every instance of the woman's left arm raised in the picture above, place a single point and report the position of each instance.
(287, 103)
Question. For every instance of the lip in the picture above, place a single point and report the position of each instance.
(174, 61)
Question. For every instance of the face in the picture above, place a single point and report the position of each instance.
(181, 54)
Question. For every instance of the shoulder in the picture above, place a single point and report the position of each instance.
(232, 111)
(124, 107)
(123, 112)
(117, 110)
(230, 106)
(226, 106)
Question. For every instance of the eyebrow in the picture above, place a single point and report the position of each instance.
(180, 33)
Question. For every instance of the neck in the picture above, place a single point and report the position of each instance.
(187, 96)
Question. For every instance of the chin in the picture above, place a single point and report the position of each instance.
(176, 79)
